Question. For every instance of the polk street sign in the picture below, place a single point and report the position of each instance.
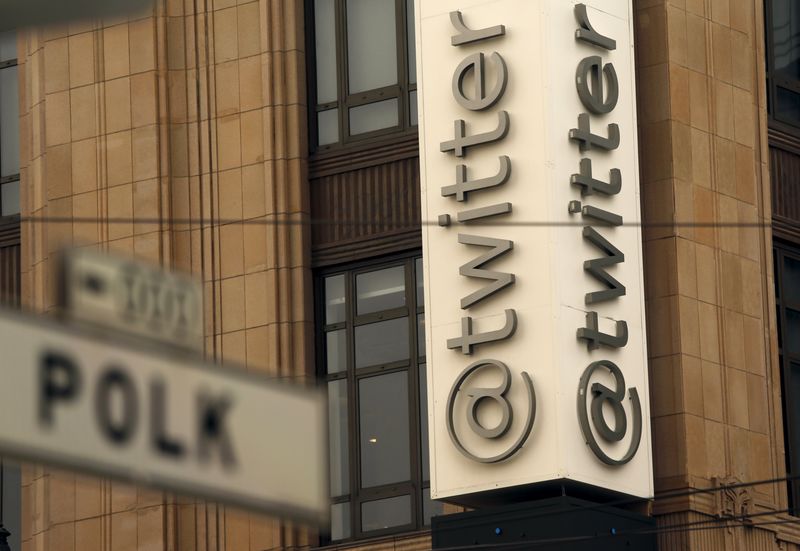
(217, 433)
(133, 297)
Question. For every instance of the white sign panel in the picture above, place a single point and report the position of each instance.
(214, 432)
(134, 297)
(537, 365)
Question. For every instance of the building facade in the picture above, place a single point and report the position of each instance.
(270, 148)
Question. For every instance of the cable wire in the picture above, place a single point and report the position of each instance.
(283, 219)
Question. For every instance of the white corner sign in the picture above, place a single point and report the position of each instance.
(131, 296)
(537, 364)
(216, 433)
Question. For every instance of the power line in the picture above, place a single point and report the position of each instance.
(298, 220)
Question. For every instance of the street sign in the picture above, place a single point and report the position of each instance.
(134, 297)
(15, 14)
(218, 433)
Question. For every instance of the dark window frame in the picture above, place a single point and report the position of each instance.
(401, 91)
(781, 250)
(416, 486)
(776, 80)
(12, 178)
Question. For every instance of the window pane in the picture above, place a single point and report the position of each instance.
(340, 521)
(423, 423)
(385, 513)
(9, 122)
(334, 300)
(421, 335)
(786, 36)
(9, 198)
(791, 279)
(430, 508)
(336, 353)
(383, 422)
(792, 338)
(382, 343)
(325, 37)
(374, 116)
(12, 505)
(328, 127)
(792, 403)
(413, 113)
(412, 45)
(8, 45)
(371, 44)
(787, 105)
(381, 290)
(337, 425)
(420, 282)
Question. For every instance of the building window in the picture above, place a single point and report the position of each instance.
(783, 62)
(787, 300)
(9, 125)
(371, 344)
(363, 71)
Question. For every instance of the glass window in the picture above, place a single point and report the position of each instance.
(371, 44)
(9, 125)
(325, 42)
(384, 434)
(8, 46)
(785, 22)
(334, 300)
(382, 343)
(340, 521)
(787, 291)
(386, 513)
(336, 344)
(365, 69)
(374, 116)
(373, 363)
(381, 290)
(328, 126)
(337, 420)
(783, 61)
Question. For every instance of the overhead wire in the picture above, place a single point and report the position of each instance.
(284, 219)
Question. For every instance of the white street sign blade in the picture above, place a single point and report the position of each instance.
(132, 296)
(218, 433)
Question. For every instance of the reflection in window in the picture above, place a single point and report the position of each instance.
(783, 60)
(383, 412)
(381, 290)
(371, 44)
(386, 513)
(786, 37)
(382, 343)
(373, 359)
(366, 70)
(337, 420)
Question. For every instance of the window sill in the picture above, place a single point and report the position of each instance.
(410, 540)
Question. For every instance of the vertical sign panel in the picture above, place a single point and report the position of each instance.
(535, 308)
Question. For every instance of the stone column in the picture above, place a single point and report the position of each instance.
(711, 316)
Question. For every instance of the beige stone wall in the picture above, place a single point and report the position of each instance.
(714, 372)
(176, 137)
